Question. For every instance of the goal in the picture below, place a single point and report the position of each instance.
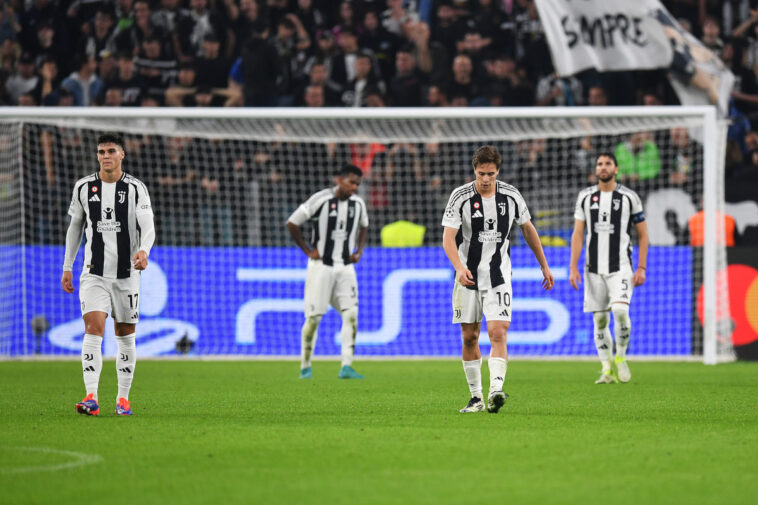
(225, 278)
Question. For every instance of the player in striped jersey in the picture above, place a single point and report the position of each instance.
(607, 211)
(339, 221)
(478, 220)
(112, 210)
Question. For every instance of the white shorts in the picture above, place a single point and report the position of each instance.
(118, 297)
(469, 305)
(602, 290)
(329, 285)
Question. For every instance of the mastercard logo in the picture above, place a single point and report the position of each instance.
(743, 301)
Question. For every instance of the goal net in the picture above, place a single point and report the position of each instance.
(226, 279)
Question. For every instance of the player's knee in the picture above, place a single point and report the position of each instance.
(470, 339)
(601, 320)
(312, 322)
(350, 316)
(124, 329)
(621, 314)
(94, 328)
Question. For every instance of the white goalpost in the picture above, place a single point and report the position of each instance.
(225, 278)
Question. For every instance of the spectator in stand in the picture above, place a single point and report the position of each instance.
(475, 47)
(291, 42)
(258, 69)
(27, 100)
(124, 17)
(192, 28)
(314, 96)
(638, 160)
(168, 15)
(436, 96)
(555, 90)
(406, 88)
(396, 16)
(24, 80)
(448, 28)
(250, 17)
(431, 56)
(113, 98)
(212, 68)
(597, 97)
(101, 37)
(342, 69)
(682, 164)
(181, 93)
(374, 98)
(49, 47)
(382, 43)
(9, 22)
(463, 84)
(84, 83)
(347, 18)
(133, 38)
(156, 65)
(365, 78)
(712, 35)
(48, 82)
(319, 77)
(127, 80)
(310, 16)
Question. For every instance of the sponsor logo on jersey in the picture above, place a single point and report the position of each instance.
(332, 213)
(490, 224)
(94, 198)
(477, 214)
(594, 206)
(339, 235)
(604, 226)
(490, 236)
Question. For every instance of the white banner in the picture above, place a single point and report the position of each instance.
(604, 34)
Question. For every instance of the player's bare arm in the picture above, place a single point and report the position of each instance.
(297, 235)
(577, 238)
(639, 274)
(362, 237)
(533, 239)
(462, 274)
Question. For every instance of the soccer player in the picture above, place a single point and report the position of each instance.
(339, 220)
(477, 223)
(112, 209)
(608, 210)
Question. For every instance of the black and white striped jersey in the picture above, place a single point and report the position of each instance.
(111, 230)
(484, 225)
(608, 216)
(335, 224)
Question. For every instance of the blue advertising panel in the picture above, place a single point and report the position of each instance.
(248, 301)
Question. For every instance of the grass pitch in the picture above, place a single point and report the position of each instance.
(252, 432)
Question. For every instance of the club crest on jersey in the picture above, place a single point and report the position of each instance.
(351, 213)
(121, 196)
(502, 207)
(616, 204)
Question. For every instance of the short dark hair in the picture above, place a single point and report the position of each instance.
(487, 154)
(348, 169)
(608, 154)
(111, 138)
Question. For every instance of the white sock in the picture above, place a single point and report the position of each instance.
(498, 368)
(92, 362)
(473, 370)
(308, 340)
(347, 335)
(622, 326)
(603, 339)
(125, 363)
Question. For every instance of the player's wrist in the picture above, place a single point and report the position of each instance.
(640, 267)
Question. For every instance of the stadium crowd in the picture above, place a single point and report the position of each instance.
(362, 53)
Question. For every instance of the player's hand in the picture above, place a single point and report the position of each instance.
(464, 277)
(67, 282)
(639, 277)
(574, 278)
(548, 281)
(355, 257)
(140, 260)
(313, 254)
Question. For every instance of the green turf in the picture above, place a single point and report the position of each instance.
(251, 432)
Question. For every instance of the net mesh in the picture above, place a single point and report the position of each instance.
(224, 277)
